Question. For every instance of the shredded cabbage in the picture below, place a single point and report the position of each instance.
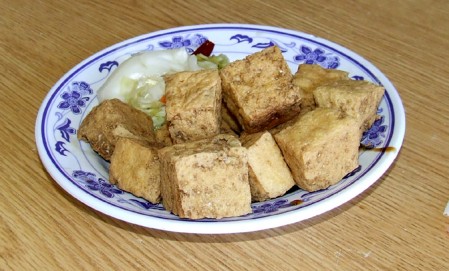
(213, 61)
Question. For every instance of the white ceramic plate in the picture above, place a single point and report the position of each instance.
(83, 174)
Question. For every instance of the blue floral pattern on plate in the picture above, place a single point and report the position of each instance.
(376, 134)
(77, 168)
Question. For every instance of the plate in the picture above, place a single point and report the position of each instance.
(83, 174)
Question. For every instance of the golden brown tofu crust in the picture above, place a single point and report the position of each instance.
(269, 175)
(162, 136)
(229, 120)
(258, 90)
(226, 129)
(320, 148)
(135, 168)
(206, 178)
(193, 105)
(309, 76)
(112, 120)
(357, 98)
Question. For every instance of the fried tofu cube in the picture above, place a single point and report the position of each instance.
(320, 148)
(207, 178)
(193, 105)
(135, 168)
(112, 120)
(309, 76)
(258, 90)
(357, 98)
(269, 175)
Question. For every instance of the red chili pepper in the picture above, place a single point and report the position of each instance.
(206, 48)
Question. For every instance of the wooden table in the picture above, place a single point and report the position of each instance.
(397, 224)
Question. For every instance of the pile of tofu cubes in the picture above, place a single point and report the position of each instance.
(246, 133)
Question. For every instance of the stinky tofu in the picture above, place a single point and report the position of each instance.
(357, 98)
(112, 120)
(206, 178)
(269, 175)
(320, 148)
(135, 168)
(193, 104)
(309, 76)
(258, 90)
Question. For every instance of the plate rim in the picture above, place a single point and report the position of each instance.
(234, 226)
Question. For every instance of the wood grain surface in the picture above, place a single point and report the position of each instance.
(397, 224)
